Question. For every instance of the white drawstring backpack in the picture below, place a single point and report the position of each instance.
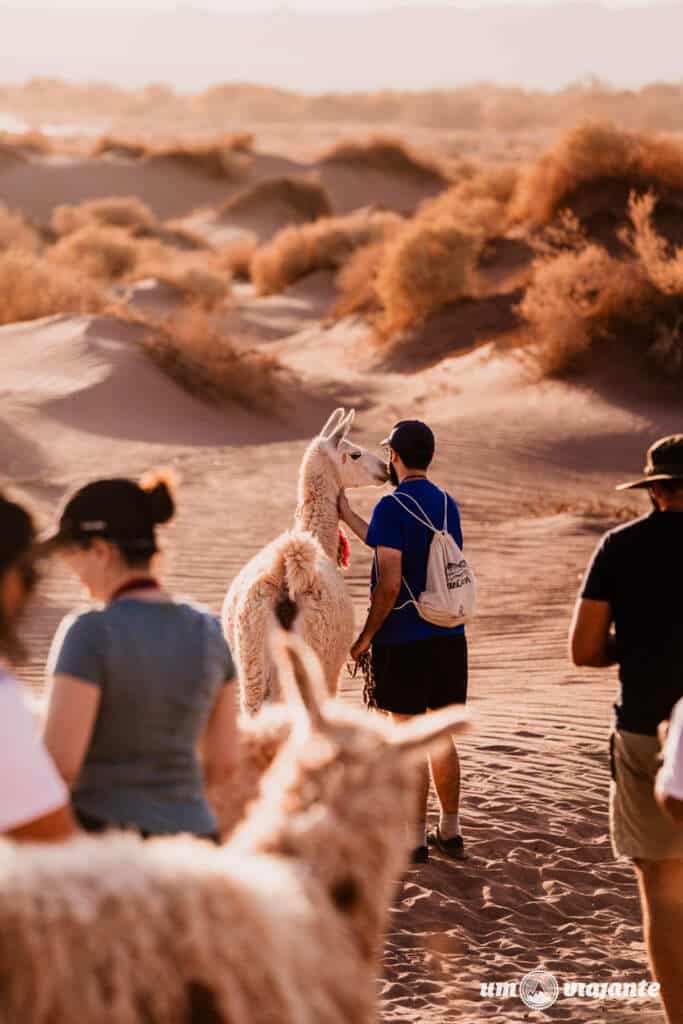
(449, 597)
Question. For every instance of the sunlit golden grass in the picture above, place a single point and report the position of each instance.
(592, 152)
(104, 253)
(478, 203)
(323, 245)
(112, 145)
(386, 153)
(425, 266)
(192, 347)
(309, 199)
(26, 143)
(16, 233)
(224, 157)
(357, 282)
(585, 304)
(32, 287)
(116, 212)
(197, 280)
(235, 257)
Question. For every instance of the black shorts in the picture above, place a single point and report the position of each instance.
(410, 679)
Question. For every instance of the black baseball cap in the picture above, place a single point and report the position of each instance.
(119, 510)
(413, 440)
(664, 463)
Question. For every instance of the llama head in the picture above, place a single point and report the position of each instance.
(354, 466)
(341, 791)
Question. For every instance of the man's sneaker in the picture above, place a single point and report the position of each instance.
(453, 848)
(420, 855)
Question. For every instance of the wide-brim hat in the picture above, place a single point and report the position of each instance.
(664, 464)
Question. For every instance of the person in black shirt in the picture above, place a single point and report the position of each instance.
(630, 613)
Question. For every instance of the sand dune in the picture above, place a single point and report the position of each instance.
(533, 465)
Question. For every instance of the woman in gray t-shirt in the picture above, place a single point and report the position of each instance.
(138, 685)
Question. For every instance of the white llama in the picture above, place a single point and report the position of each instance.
(297, 574)
(283, 924)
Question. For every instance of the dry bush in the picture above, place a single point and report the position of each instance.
(357, 282)
(31, 287)
(112, 145)
(423, 268)
(129, 213)
(323, 245)
(15, 233)
(235, 258)
(662, 266)
(191, 346)
(310, 199)
(591, 152)
(224, 157)
(201, 285)
(585, 304)
(105, 253)
(26, 143)
(387, 154)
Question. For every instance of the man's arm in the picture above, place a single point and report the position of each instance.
(591, 643)
(669, 781)
(351, 518)
(389, 563)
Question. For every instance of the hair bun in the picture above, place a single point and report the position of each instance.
(159, 488)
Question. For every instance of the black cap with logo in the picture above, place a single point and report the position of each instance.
(119, 510)
(413, 441)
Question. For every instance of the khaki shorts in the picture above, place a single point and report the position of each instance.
(638, 827)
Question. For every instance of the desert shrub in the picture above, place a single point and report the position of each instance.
(129, 213)
(100, 252)
(323, 245)
(357, 282)
(31, 287)
(235, 257)
(15, 233)
(388, 154)
(310, 199)
(200, 285)
(112, 145)
(191, 346)
(224, 157)
(26, 143)
(423, 268)
(590, 152)
(586, 304)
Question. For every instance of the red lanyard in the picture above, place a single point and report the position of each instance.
(138, 583)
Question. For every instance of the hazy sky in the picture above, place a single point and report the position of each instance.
(320, 6)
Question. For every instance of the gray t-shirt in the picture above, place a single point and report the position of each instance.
(159, 666)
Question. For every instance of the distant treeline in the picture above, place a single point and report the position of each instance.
(477, 108)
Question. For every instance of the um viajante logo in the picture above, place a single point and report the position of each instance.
(540, 989)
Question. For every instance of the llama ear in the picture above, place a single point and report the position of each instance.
(300, 674)
(333, 422)
(417, 737)
(342, 428)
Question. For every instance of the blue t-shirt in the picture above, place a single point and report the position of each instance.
(159, 667)
(392, 527)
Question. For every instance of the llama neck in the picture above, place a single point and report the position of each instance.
(317, 510)
(354, 856)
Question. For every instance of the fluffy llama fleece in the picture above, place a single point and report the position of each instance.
(299, 569)
(283, 924)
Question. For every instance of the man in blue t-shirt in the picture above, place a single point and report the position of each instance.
(417, 667)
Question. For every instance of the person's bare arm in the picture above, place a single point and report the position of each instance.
(71, 715)
(50, 828)
(389, 567)
(591, 643)
(218, 745)
(670, 805)
(351, 518)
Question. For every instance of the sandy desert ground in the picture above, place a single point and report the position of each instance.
(533, 464)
